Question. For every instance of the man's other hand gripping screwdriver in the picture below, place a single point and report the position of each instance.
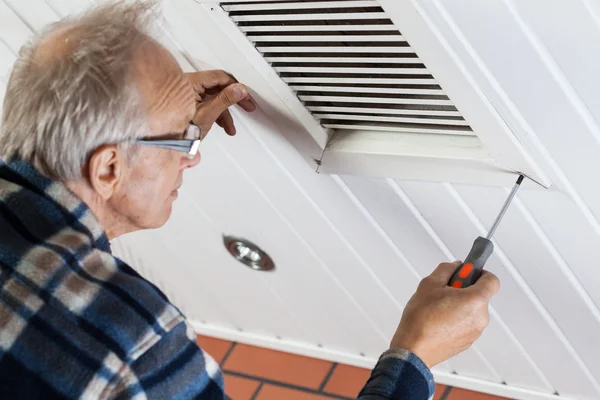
(438, 322)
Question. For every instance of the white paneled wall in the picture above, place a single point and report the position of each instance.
(350, 251)
(43, 13)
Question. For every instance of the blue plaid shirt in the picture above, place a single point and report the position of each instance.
(76, 322)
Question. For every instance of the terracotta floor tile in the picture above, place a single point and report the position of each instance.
(217, 348)
(278, 366)
(240, 388)
(439, 391)
(347, 381)
(462, 394)
(271, 392)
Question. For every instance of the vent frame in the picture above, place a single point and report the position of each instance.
(501, 153)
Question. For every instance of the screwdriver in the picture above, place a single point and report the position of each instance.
(470, 270)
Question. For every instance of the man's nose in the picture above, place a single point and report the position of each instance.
(189, 163)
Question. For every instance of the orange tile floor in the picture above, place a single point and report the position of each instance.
(254, 373)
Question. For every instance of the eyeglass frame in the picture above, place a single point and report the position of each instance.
(189, 146)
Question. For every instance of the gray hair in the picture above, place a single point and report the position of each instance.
(57, 112)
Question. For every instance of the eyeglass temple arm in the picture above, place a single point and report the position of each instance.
(186, 146)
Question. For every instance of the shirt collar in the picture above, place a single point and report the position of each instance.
(80, 216)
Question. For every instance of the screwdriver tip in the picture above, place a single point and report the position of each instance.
(520, 180)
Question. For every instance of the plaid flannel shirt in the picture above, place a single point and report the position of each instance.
(76, 322)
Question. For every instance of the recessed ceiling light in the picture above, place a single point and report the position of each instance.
(248, 253)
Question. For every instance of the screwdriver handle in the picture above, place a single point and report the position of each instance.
(468, 273)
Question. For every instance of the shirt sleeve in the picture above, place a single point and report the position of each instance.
(399, 375)
(173, 368)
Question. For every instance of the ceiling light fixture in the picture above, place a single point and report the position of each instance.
(248, 253)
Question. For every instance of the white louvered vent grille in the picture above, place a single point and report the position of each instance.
(349, 65)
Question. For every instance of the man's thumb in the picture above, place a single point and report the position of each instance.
(231, 95)
(239, 91)
(442, 274)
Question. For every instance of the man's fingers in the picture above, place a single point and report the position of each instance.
(226, 122)
(211, 109)
(442, 274)
(212, 82)
(218, 91)
(248, 104)
(488, 284)
(203, 80)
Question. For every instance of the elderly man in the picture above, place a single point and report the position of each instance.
(99, 123)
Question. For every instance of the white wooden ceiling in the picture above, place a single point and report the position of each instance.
(350, 251)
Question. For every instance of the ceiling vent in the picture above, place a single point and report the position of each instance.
(349, 65)
(359, 87)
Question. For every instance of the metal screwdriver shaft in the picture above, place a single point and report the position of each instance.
(511, 196)
(468, 273)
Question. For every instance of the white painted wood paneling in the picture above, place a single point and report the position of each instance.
(194, 231)
(570, 233)
(66, 7)
(568, 48)
(7, 59)
(536, 257)
(13, 30)
(254, 203)
(34, 13)
(533, 88)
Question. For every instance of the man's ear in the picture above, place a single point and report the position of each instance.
(105, 170)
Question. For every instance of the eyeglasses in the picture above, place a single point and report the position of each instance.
(189, 145)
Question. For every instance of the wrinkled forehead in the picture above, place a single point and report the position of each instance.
(167, 95)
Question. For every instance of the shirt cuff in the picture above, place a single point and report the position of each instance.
(400, 375)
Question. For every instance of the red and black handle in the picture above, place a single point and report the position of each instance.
(468, 273)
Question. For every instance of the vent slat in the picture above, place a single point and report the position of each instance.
(374, 127)
(316, 28)
(392, 111)
(350, 70)
(349, 65)
(375, 100)
(385, 118)
(347, 49)
(363, 60)
(305, 17)
(319, 38)
(298, 5)
(374, 90)
(355, 81)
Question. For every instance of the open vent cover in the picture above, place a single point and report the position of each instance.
(349, 65)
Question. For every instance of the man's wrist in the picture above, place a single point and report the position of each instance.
(404, 354)
(414, 347)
